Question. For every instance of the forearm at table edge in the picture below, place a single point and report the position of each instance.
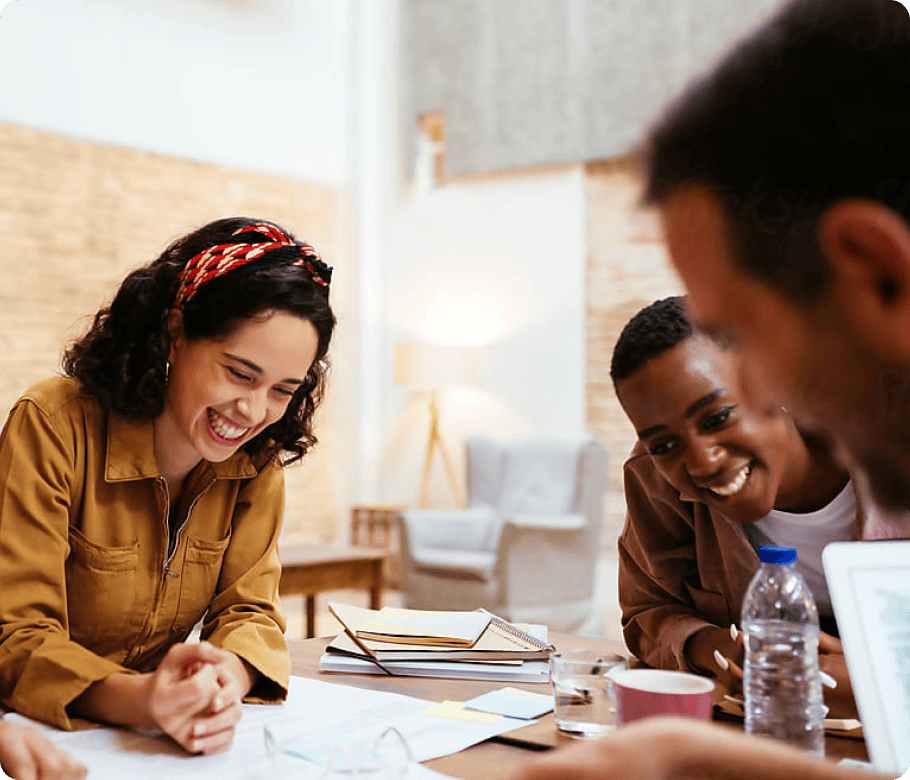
(737, 756)
(51, 678)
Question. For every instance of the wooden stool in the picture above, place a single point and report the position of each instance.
(373, 525)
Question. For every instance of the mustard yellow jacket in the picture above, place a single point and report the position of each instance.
(91, 584)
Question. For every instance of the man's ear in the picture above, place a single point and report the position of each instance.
(175, 331)
(867, 246)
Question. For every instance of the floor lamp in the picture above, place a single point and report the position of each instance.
(432, 367)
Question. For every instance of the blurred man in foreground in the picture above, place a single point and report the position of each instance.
(783, 182)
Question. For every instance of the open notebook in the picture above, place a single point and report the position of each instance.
(869, 583)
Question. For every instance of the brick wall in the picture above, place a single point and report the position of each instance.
(75, 217)
(626, 268)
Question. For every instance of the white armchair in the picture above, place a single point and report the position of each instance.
(526, 547)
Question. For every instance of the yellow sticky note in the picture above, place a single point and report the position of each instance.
(456, 710)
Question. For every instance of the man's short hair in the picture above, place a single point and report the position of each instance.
(654, 330)
(811, 108)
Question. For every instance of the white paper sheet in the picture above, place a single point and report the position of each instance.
(313, 706)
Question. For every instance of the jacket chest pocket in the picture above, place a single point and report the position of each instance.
(198, 580)
(101, 591)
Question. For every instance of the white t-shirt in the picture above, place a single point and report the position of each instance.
(809, 533)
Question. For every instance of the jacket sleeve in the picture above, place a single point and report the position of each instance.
(657, 569)
(245, 616)
(41, 669)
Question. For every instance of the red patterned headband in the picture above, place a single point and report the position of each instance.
(218, 260)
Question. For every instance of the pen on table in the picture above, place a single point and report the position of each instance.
(741, 703)
(722, 662)
(719, 659)
(371, 655)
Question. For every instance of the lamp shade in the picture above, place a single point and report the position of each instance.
(422, 364)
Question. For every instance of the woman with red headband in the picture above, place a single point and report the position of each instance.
(143, 491)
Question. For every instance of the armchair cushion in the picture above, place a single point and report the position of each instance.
(572, 522)
(475, 528)
(485, 463)
(456, 564)
(539, 477)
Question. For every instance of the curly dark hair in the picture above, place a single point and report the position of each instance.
(654, 330)
(122, 360)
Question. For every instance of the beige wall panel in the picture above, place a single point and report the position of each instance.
(75, 217)
(627, 268)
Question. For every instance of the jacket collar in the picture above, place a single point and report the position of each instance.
(131, 453)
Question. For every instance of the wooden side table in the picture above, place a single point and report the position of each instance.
(373, 525)
(312, 568)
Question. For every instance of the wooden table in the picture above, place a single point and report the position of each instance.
(500, 756)
(312, 568)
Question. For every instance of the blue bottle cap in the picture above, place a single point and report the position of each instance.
(783, 555)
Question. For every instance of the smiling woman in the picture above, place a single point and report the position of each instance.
(143, 491)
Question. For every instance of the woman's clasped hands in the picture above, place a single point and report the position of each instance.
(195, 696)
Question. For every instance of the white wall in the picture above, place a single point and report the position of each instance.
(495, 263)
(261, 85)
(306, 89)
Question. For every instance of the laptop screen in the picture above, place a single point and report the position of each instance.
(869, 583)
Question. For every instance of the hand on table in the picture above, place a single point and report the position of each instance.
(831, 661)
(715, 651)
(27, 755)
(195, 696)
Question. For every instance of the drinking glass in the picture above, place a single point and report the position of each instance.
(583, 695)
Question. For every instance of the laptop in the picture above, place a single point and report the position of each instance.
(869, 583)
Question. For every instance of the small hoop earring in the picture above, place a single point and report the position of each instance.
(167, 370)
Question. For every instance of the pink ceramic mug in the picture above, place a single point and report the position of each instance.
(641, 693)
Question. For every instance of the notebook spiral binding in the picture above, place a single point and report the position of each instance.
(511, 628)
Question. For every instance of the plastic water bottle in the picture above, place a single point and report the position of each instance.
(781, 676)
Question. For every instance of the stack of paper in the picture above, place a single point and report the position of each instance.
(436, 644)
(316, 714)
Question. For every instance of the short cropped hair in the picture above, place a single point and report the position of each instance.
(654, 330)
(811, 108)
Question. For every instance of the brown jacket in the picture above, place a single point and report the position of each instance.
(88, 584)
(680, 569)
